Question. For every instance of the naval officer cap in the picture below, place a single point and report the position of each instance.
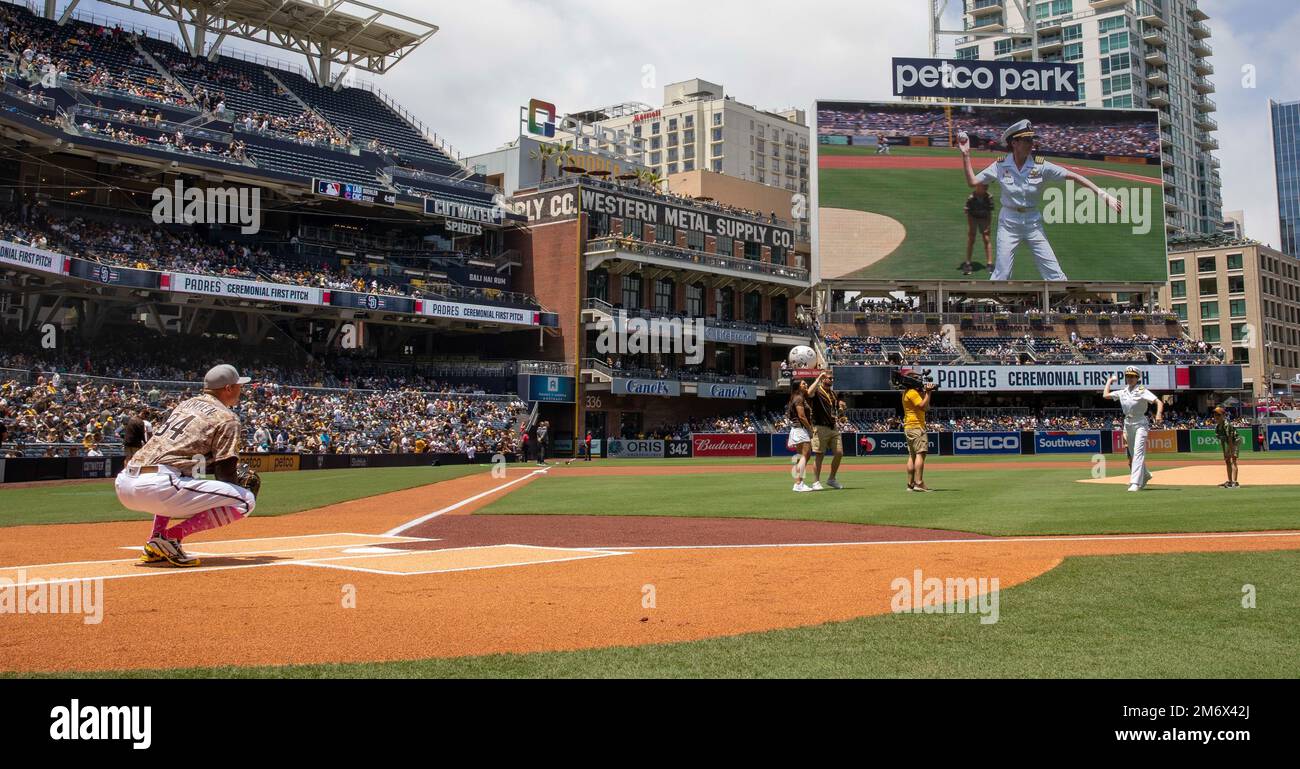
(1022, 128)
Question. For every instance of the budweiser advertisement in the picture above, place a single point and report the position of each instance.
(719, 445)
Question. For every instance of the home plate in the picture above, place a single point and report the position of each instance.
(1209, 475)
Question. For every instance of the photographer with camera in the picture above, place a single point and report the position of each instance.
(917, 392)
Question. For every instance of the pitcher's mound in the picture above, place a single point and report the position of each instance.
(1206, 475)
(850, 240)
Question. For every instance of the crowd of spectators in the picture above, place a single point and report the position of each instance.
(74, 401)
(305, 128)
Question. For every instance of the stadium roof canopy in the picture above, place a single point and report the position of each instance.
(346, 34)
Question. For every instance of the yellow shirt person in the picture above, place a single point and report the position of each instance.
(913, 414)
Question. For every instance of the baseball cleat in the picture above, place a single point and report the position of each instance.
(149, 557)
(169, 550)
(1134, 487)
(834, 484)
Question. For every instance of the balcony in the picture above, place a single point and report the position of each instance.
(1166, 140)
(1166, 160)
(1195, 12)
(1202, 66)
(599, 311)
(1202, 86)
(1205, 122)
(1202, 48)
(1157, 77)
(1156, 57)
(674, 257)
(1199, 29)
(1050, 44)
(1149, 13)
(1158, 97)
(990, 23)
(1205, 104)
(1206, 142)
(1098, 5)
(981, 7)
(1153, 37)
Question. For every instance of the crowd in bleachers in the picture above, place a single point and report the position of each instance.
(306, 128)
(72, 401)
(147, 247)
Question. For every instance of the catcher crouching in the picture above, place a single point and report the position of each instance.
(158, 479)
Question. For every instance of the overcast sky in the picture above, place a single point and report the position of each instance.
(490, 56)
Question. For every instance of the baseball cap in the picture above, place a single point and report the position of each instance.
(1017, 130)
(221, 376)
(1219, 410)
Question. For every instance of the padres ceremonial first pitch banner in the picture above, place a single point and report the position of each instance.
(30, 258)
(210, 285)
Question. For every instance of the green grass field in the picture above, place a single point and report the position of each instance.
(1149, 616)
(928, 202)
(282, 493)
(1012, 502)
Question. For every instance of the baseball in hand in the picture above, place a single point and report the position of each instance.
(963, 141)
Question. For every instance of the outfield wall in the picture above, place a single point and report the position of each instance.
(1013, 443)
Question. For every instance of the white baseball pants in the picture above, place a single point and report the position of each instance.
(1136, 437)
(168, 493)
(1015, 228)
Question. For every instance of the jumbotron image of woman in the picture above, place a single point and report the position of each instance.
(1021, 179)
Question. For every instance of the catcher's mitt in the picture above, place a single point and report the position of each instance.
(248, 478)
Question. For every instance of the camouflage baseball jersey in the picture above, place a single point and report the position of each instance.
(200, 426)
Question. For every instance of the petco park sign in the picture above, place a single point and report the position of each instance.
(973, 79)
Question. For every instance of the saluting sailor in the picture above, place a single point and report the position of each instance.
(1133, 400)
(1021, 180)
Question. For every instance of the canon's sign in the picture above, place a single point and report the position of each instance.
(973, 79)
(717, 445)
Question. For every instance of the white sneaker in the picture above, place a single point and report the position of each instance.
(834, 484)
(816, 486)
(1135, 487)
(801, 486)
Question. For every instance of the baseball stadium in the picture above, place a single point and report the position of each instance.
(388, 419)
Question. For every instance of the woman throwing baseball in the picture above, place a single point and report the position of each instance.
(1021, 179)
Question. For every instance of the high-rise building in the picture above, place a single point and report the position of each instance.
(1285, 117)
(1245, 297)
(1234, 225)
(700, 128)
(1134, 53)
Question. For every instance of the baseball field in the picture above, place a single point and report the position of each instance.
(680, 568)
(900, 216)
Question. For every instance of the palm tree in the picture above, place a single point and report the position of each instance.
(543, 155)
(654, 179)
(563, 154)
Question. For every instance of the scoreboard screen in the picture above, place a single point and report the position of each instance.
(355, 192)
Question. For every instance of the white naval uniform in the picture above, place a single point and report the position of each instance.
(1019, 220)
(1133, 401)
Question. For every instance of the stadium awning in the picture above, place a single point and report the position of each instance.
(334, 35)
